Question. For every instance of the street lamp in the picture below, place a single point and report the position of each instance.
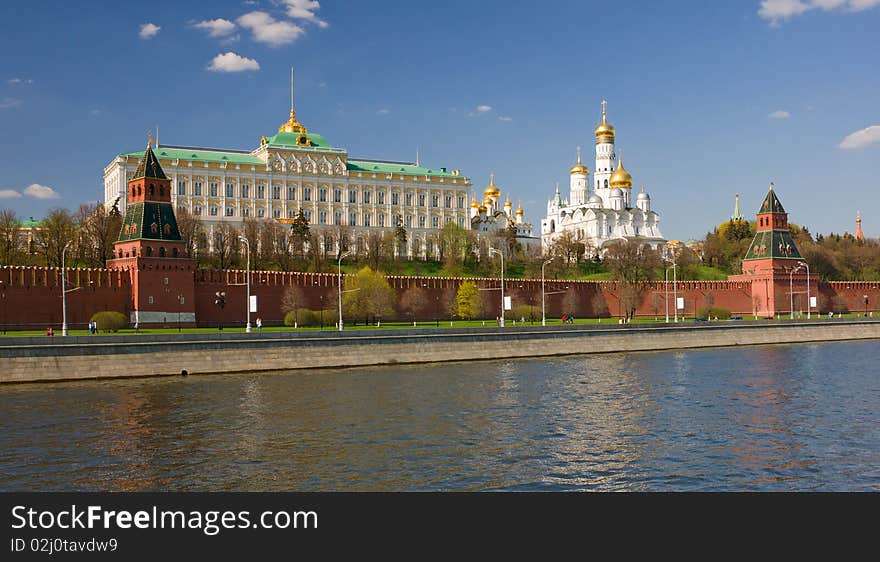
(491, 250)
(866, 305)
(247, 244)
(791, 290)
(345, 255)
(666, 295)
(809, 303)
(64, 290)
(673, 247)
(179, 302)
(543, 312)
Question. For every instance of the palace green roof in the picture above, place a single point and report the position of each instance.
(203, 155)
(396, 168)
(149, 220)
(289, 140)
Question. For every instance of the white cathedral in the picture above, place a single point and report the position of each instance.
(608, 214)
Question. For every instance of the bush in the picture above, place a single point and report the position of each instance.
(306, 318)
(712, 313)
(110, 321)
(530, 313)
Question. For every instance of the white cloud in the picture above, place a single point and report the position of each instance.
(480, 110)
(38, 191)
(383, 111)
(231, 62)
(9, 103)
(861, 139)
(217, 27)
(505, 118)
(9, 194)
(776, 10)
(779, 114)
(305, 10)
(95, 112)
(149, 30)
(267, 29)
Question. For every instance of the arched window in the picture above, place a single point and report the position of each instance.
(606, 184)
(149, 251)
(175, 252)
(151, 190)
(161, 251)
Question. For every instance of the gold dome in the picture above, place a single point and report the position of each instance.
(508, 204)
(292, 125)
(579, 168)
(474, 204)
(604, 130)
(482, 209)
(487, 202)
(620, 177)
(520, 212)
(491, 190)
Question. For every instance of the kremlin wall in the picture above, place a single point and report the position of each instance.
(31, 296)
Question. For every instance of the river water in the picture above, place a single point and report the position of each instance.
(793, 417)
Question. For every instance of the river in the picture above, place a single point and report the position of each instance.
(782, 417)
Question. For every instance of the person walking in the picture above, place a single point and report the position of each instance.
(259, 324)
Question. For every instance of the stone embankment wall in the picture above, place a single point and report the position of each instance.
(41, 359)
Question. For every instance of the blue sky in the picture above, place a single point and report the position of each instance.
(708, 99)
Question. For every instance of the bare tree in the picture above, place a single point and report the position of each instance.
(191, 232)
(413, 302)
(57, 229)
(633, 266)
(98, 232)
(9, 237)
(226, 246)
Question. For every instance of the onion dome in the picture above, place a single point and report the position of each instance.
(474, 203)
(482, 209)
(642, 195)
(616, 192)
(604, 130)
(487, 202)
(492, 190)
(508, 204)
(579, 168)
(520, 212)
(595, 200)
(620, 177)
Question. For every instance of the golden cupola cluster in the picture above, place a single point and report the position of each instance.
(508, 204)
(491, 189)
(519, 210)
(474, 203)
(604, 130)
(292, 125)
(579, 168)
(620, 177)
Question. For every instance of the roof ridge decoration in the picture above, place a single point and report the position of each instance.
(148, 165)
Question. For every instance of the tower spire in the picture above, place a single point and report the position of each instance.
(859, 234)
(604, 103)
(579, 154)
(737, 215)
(291, 91)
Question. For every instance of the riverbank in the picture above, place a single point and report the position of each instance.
(39, 359)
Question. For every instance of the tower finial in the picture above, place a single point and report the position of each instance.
(492, 179)
(604, 103)
(737, 215)
(149, 138)
(771, 186)
(579, 154)
(417, 156)
(291, 90)
(859, 234)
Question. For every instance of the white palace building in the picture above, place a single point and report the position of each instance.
(601, 211)
(296, 169)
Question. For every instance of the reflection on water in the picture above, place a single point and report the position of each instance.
(797, 417)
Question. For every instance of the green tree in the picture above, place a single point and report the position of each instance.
(467, 301)
(367, 295)
(400, 237)
(455, 243)
(57, 229)
(299, 234)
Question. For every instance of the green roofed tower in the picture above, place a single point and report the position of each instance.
(772, 238)
(150, 248)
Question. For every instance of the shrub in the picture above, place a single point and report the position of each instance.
(110, 321)
(529, 312)
(306, 318)
(712, 313)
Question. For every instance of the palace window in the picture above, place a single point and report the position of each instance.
(322, 217)
(230, 190)
(352, 196)
(366, 219)
(181, 187)
(367, 196)
(261, 191)
(461, 201)
(245, 191)
(435, 201)
(213, 189)
(380, 219)
(429, 248)
(421, 199)
(352, 218)
(230, 211)
(197, 188)
(307, 194)
(409, 221)
(261, 212)
(380, 197)
(337, 195)
(213, 211)
(435, 222)
(328, 244)
(276, 192)
(407, 200)
(395, 219)
(197, 210)
(291, 213)
(245, 211)
(461, 222)
(337, 217)
(322, 195)
(422, 220)
(308, 215)
(395, 198)
(276, 212)
(291, 192)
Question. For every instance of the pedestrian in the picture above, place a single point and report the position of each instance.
(259, 324)
(49, 331)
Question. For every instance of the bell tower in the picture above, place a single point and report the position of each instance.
(151, 249)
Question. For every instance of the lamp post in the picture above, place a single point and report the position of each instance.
(791, 290)
(346, 254)
(807, 266)
(543, 311)
(666, 296)
(179, 302)
(3, 297)
(64, 290)
(247, 270)
(866, 305)
(491, 250)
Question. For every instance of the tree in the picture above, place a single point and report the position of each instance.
(569, 248)
(191, 232)
(367, 295)
(226, 245)
(455, 243)
(379, 247)
(468, 301)
(99, 230)
(400, 237)
(299, 234)
(413, 302)
(633, 266)
(57, 229)
(9, 237)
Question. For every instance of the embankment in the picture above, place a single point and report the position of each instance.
(42, 359)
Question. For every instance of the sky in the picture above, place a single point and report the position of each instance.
(708, 99)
